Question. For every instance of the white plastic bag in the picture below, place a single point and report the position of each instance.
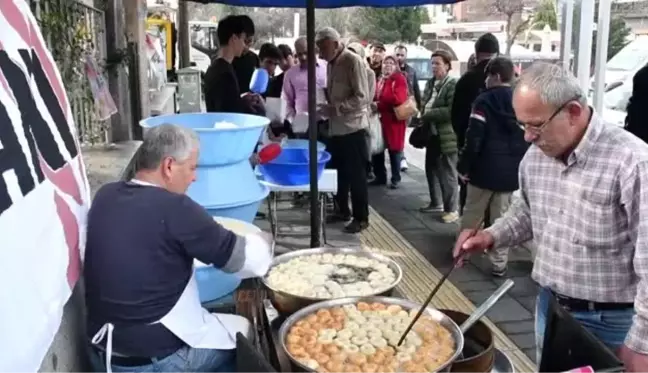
(376, 141)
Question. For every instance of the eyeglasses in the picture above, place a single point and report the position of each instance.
(538, 130)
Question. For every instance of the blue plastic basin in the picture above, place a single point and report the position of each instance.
(290, 167)
(245, 210)
(218, 146)
(224, 185)
(214, 283)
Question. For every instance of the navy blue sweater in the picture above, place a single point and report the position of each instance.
(141, 243)
(494, 143)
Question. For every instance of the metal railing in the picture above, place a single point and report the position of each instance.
(72, 30)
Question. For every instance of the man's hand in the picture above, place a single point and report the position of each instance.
(467, 244)
(633, 361)
(464, 178)
(374, 107)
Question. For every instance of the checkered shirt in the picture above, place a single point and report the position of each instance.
(589, 220)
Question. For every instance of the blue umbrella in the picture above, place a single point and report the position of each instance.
(310, 6)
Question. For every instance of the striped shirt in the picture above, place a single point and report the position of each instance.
(589, 219)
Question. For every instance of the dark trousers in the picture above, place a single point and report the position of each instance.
(378, 161)
(463, 189)
(349, 155)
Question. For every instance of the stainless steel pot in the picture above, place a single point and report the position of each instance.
(436, 315)
(287, 304)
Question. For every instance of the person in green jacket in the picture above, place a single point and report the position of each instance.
(441, 152)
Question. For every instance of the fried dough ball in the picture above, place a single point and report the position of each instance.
(339, 311)
(323, 314)
(296, 330)
(387, 351)
(378, 306)
(412, 367)
(369, 368)
(394, 309)
(310, 363)
(315, 349)
(331, 349)
(301, 323)
(352, 368)
(293, 339)
(367, 349)
(322, 358)
(363, 306)
(335, 366)
(309, 341)
(311, 318)
(309, 333)
(317, 326)
(337, 325)
(297, 351)
(339, 357)
(357, 358)
(377, 358)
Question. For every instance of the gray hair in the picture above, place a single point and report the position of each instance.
(327, 33)
(165, 140)
(554, 84)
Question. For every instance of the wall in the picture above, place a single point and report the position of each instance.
(68, 351)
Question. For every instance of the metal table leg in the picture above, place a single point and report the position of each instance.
(272, 213)
(322, 202)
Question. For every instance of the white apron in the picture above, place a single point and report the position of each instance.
(193, 324)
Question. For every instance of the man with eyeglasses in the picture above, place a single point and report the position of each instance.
(584, 201)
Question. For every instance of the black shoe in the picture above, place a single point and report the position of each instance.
(394, 185)
(260, 215)
(371, 177)
(337, 218)
(356, 226)
(376, 182)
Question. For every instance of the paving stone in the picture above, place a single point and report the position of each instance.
(524, 340)
(478, 286)
(528, 302)
(531, 353)
(517, 327)
(467, 273)
(524, 287)
(506, 309)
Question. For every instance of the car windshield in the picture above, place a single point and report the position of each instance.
(617, 98)
(422, 66)
(630, 58)
(204, 36)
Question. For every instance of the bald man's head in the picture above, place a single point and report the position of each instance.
(301, 51)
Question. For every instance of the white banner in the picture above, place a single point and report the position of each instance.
(44, 193)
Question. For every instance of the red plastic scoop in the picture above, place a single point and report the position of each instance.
(269, 152)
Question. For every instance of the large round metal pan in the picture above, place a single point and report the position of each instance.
(436, 315)
(287, 304)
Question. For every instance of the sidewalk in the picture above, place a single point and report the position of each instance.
(434, 240)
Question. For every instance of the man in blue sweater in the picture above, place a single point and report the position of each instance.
(144, 233)
(490, 158)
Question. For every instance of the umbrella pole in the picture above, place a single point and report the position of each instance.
(312, 126)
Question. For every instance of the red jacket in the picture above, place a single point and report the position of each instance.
(390, 93)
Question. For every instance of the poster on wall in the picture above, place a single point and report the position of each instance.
(44, 193)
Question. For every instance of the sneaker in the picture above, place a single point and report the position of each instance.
(450, 217)
(356, 226)
(394, 185)
(431, 208)
(403, 165)
(499, 272)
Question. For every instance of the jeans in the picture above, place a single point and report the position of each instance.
(610, 327)
(378, 161)
(442, 169)
(186, 359)
(349, 156)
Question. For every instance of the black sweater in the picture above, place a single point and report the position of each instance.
(494, 143)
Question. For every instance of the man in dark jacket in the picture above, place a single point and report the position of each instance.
(468, 88)
(638, 105)
(248, 61)
(493, 148)
(412, 86)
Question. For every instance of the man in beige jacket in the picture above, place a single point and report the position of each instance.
(347, 111)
